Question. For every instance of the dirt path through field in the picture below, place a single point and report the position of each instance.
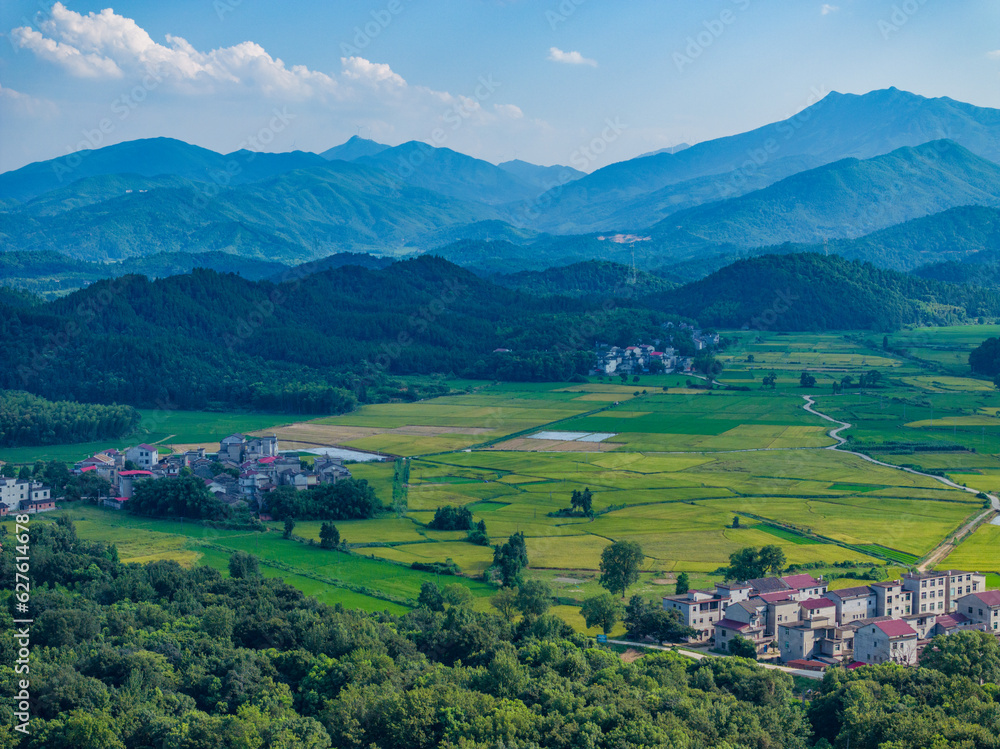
(945, 547)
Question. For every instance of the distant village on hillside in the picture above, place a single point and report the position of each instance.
(244, 469)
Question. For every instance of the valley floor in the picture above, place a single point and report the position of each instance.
(670, 466)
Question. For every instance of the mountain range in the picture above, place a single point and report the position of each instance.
(844, 168)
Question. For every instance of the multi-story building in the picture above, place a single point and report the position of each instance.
(892, 641)
(144, 456)
(27, 495)
(937, 592)
(982, 608)
(891, 599)
(853, 604)
(700, 609)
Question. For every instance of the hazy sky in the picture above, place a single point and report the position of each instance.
(538, 80)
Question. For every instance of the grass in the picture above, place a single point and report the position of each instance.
(680, 466)
(981, 551)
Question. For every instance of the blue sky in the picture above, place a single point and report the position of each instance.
(532, 79)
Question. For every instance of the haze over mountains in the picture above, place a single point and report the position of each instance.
(824, 179)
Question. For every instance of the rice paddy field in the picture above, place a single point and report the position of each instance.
(670, 466)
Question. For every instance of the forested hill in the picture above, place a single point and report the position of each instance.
(315, 344)
(132, 656)
(590, 278)
(816, 292)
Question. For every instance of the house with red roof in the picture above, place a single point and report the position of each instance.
(982, 607)
(892, 641)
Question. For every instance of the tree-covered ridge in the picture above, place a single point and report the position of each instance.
(27, 420)
(316, 344)
(154, 655)
(52, 273)
(590, 278)
(816, 292)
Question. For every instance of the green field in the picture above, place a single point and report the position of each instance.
(981, 551)
(678, 466)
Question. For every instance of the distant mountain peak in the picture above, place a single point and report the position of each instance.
(354, 148)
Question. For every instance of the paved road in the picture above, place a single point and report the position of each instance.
(698, 655)
(942, 550)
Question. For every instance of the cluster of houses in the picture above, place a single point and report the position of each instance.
(799, 621)
(24, 496)
(244, 469)
(644, 358)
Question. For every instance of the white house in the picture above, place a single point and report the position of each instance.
(892, 641)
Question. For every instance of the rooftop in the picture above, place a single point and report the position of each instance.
(802, 581)
(896, 628)
(989, 597)
(732, 624)
(768, 584)
(817, 603)
(860, 591)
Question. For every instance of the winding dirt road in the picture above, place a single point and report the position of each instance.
(945, 547)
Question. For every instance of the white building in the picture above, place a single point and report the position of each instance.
(892, 641)
(144, 456)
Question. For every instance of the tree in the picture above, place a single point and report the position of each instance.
(971, 653)
(24, 474)
(846, 381)
(583, 501)
(602, 611)
(505, 602)
(620, 565)
(456, 594)
(744, 564)
(329, 536)
(647, 619)
(478, 535)
(769, 380)
(772, 559)
(243, 566)
(176, 497)
(534, 597)
(511, 559)
(683, 584)
(350, 499)
(736, 521)
(750, 359)
(742, 647)
(289, 527)
(806, 380)
(430, 596)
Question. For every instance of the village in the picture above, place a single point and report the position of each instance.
(644, 358)
(798, 621)
(244, 470)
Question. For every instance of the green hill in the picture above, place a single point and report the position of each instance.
(815, 292)
(848, 198)
(590, 278)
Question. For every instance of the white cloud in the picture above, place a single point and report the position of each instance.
(509, 110)
(72, 59)
(18, 103)
(994, 55)
(570, 58)
(219, 97)
(827, 9)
